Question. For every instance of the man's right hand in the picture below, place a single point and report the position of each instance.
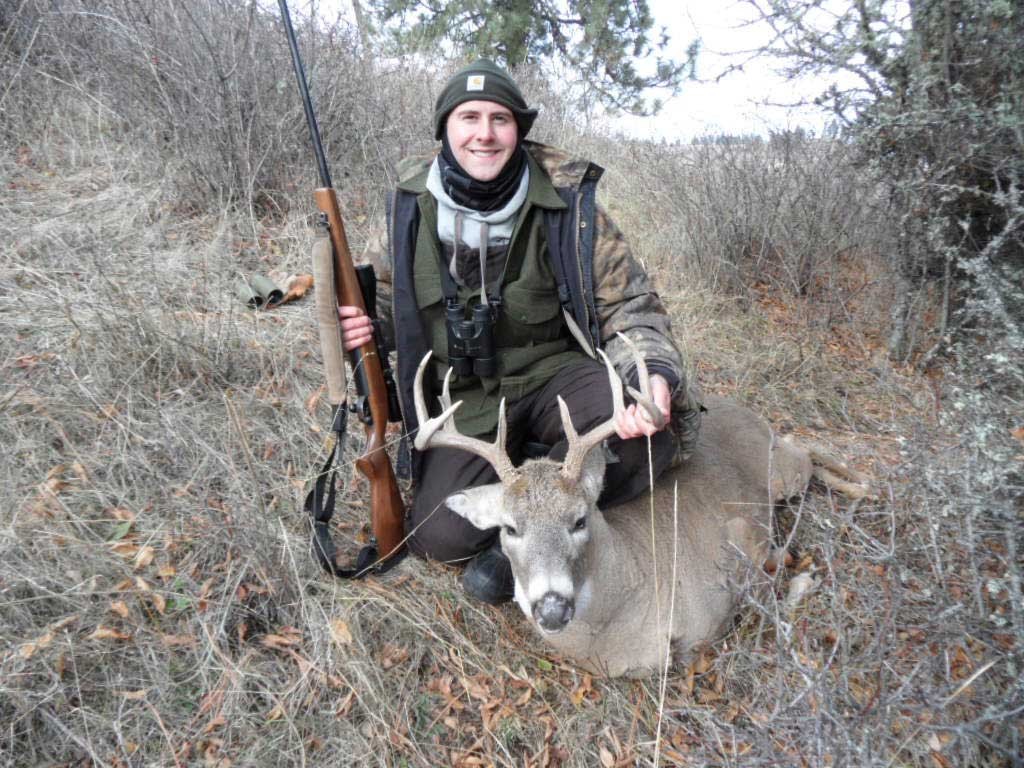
(356, 327)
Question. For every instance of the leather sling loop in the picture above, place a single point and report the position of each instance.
(320, 508)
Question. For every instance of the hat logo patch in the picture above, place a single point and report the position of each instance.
(475, 83)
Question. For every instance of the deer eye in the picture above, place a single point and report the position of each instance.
(580, 524)
(509, 530)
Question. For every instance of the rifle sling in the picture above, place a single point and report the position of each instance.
(320, 508)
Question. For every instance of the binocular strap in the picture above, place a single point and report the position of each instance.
(450, 272)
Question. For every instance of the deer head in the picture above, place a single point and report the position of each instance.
(545, 510)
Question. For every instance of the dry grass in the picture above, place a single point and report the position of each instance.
(157, 602)
(159, 607)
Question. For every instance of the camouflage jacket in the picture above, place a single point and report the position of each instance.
(606, 290)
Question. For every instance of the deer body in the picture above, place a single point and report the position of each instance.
(705, 535)
(618, 591)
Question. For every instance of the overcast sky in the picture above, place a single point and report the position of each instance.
(734, 104)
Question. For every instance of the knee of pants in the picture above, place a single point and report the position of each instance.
(434, 530)
(437, 533)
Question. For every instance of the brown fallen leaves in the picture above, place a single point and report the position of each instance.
(340, 633)
(29, 649)
(144, 556)
(314, 400)
(392, 655)
(28, 362)
(109, 633)
(297, 286)
(59, 479)
(177, 641)
(469, 709)
(285, 637)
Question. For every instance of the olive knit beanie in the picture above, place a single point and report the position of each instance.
(485, 81)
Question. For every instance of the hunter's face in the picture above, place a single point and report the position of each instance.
(482, 135)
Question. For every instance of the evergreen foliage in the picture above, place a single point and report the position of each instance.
(600, 41)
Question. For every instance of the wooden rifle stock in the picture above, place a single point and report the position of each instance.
(386, 507)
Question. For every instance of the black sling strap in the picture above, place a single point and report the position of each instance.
(320, 508)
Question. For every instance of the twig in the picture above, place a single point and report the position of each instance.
(233, 415)
(663, 683)
(966, 683)
(21, 64)
(56, 723)
(163, 730)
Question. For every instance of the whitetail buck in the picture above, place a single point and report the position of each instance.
(615, 591)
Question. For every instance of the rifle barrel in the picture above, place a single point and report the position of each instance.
(338, 235)
(300, 76)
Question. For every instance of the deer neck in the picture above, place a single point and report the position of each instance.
(611, 571)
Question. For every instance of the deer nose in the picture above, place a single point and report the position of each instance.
(553, 611)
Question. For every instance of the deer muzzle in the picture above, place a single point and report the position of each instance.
(553, 611)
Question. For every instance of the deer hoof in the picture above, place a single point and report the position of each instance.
(553, 611)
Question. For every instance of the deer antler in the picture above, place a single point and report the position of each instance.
(579, 446)
(440, 431)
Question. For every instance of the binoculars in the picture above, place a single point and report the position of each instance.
(471, 342)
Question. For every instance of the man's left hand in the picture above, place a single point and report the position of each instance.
(635, 421)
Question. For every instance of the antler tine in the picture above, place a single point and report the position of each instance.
(567, 425)
(428, 426)
(643, 398)
(446, 401)
(429, 435)
(499, 440)
(579, 447)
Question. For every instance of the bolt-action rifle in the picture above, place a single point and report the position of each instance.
(333, 266)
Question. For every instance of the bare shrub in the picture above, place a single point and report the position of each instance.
(783, 212)
(934, 105)
(207, 91)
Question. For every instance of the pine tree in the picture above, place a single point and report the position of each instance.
(602, 41)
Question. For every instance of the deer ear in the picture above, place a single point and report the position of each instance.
(481, 506)
(592, 477)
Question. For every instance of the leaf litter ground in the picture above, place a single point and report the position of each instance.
(158, 604)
